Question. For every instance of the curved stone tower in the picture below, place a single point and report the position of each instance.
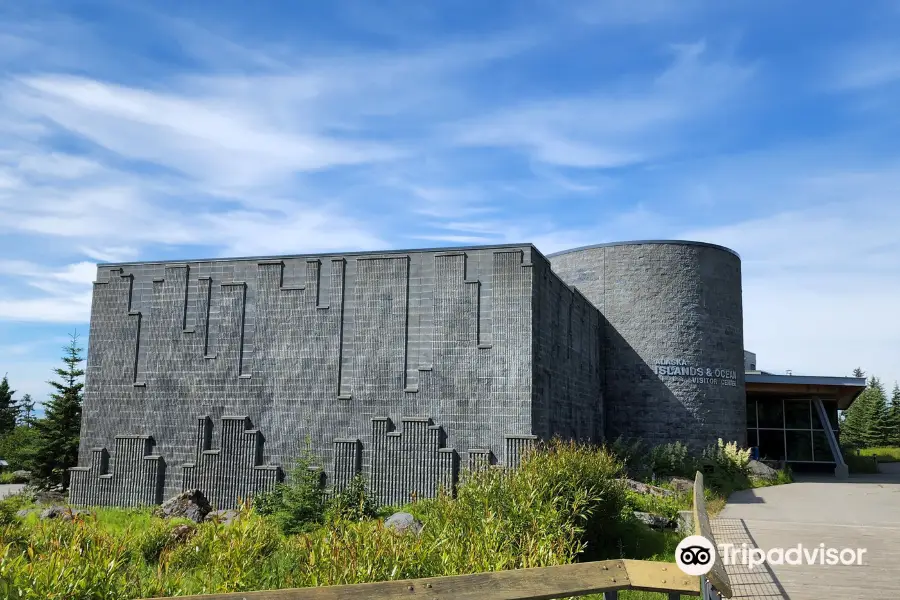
(672, 331)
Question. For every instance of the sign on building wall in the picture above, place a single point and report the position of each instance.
(681, 369)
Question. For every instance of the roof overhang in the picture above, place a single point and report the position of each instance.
(843, 389)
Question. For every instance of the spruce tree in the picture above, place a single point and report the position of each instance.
(26, 411)
(878, 429)
(59, 430)
(858, 372)
(9, 409)
(857, 420)
(894, 417)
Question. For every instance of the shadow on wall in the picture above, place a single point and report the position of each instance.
(640, 405)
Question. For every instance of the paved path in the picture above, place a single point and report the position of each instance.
(862, 512)
(9, 488)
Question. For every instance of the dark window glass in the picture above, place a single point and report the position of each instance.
(832, 412)
(796, 414)
(799, 445)
(751, 413)
(770, 414)
(771, 444)
(821, 449)
(751, 438)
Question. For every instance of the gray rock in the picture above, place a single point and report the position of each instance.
(64, 513)
(403, 522)
(52, 512)
(654, 521)
(181, 533)
(761, 470)
(71, 513)
(191, 504)
(223, 516)
(646, 488)
(24, 512)
(22, 475)
(49, 497)
(681, 485)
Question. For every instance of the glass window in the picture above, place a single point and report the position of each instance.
(751, 413)
(751, 438)
(796, 414)
(799, 445)
(821, 449)
(832, 412)
(770, 413)
(771, 444)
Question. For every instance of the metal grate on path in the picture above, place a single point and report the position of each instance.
(757, 584)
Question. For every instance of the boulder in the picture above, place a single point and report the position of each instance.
(64, 513)
(71, 513)
(761, 470)
(223, 516)
(181, 533)
(191, 504)
(22, 475)
(24, 512)
(654, 521)
(681, 485)
(403, 522)
(51, 496)
(646, 488)
(52, 512)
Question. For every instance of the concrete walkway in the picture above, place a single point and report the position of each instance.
(862, 512)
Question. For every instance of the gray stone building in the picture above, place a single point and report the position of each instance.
(403, 366)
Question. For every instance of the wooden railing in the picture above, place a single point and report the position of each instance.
(543, 583)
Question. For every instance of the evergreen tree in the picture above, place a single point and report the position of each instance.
(9, 409)
(858, 372)
(60, 428)
(26, 411)
(894, 417)
(852, 424)
(877, 430)
(857, 420)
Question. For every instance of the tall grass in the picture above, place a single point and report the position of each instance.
(565, 502)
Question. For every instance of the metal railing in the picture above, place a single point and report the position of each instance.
(543, 583)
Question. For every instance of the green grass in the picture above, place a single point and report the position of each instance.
(857, 463)
(565, 503)
(886, 454)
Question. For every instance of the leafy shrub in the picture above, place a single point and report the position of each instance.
(353, 503)
(18, 446)
(649, 463)
(728, 457)
(632, 453)
(672, 460)
(564, 499)
(666, 506)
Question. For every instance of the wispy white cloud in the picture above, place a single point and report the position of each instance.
(61, 295)
(606, 129)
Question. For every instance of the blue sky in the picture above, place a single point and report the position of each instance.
(172, 130)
